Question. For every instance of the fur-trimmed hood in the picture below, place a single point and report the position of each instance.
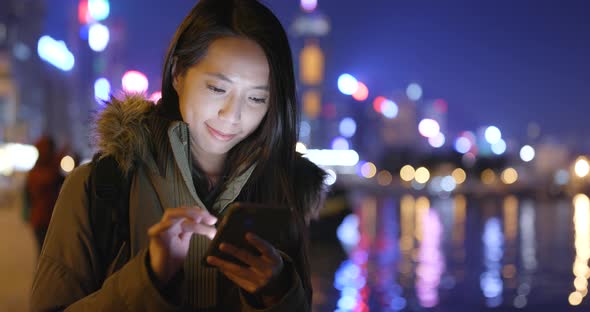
(121, 130)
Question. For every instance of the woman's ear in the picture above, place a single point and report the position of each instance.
(175, 77)
(176, 83)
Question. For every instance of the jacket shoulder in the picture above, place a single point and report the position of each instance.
(310, 187)
(79, 176)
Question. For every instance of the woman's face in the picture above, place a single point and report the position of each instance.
(224, 97)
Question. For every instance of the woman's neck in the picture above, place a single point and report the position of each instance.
(211, 164)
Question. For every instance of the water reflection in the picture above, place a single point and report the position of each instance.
(490, 280)
(415, 253)
(430, 260)
(527, 253)
(582, 245)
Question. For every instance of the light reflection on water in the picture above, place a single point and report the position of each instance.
(582, 246)
(415, 253)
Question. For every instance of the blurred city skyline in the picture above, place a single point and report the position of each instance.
(502, 63)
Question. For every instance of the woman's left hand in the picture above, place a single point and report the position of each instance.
(263, 270)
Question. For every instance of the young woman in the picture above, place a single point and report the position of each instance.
(224, 131)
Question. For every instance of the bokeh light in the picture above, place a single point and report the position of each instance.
(17, 157)
(407, 173)
(440, 106)
(428, 128)
(304, 129)
(582, 167)
(368, 170)
(493, 135)
(377, 102)
(435, 185)
(83, 15)
(448, 184)
(459, 175)
(509, 176)
(331, 177)
(562, 177)
(389, 109)
(55, 53)
(488, 177)
(156, 96)
(527, 153)
(300, 148)
(102, 90)
(84, 31)
(575, 298)
(384, 178)
(499, 147)
(98, 9)
(134, 82)
(309, 5)
(361, 93)
(333, 157)
(414, 92)
(312, 103)
(437, 140)
(67, 164)
(468, 160)
(422, 175)
(340, 143)
(347, 127)
(98, 37)
(6, 167)
(462, 145)
(347, 84)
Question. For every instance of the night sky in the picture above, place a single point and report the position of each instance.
(505, 63)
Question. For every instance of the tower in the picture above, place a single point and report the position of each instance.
(309, 27)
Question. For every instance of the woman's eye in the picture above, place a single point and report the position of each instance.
(215, 89)
(258, 100)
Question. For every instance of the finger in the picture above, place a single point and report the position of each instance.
(198, 228)
(261, 245)
(202, 215)
(244, 283)
(196, 213)
(180, 212)
(242, 255)
(231, 267)
(162, 226)
(207, 218)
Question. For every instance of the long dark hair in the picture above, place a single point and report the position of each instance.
(272, 145)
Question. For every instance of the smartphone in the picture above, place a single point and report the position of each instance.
(271, 223)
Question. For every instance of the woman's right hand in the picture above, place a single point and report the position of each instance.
(170, 238)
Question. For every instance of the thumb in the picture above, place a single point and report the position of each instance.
(209, 219)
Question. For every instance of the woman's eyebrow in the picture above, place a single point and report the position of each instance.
(226, 79)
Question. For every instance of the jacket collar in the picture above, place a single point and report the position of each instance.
(178, 136)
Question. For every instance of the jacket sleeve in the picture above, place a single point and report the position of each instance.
(66, 276)
(293, 301)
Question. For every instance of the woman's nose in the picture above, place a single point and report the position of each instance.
(231, 110)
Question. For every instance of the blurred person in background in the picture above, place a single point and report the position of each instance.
(42, 187)
(224, 130)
